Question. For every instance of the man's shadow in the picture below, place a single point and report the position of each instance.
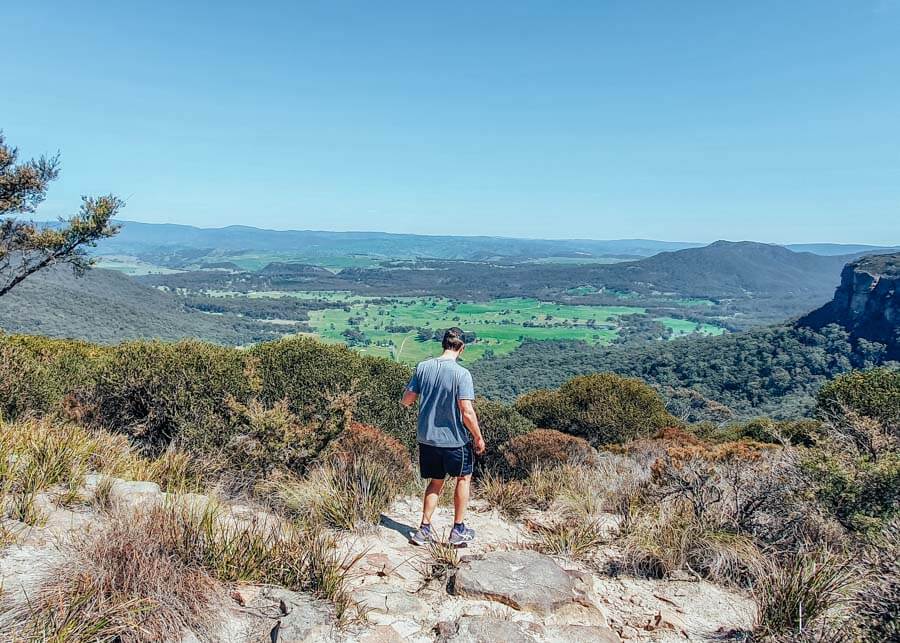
(404, 530)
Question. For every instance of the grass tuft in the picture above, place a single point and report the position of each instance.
(802, 594)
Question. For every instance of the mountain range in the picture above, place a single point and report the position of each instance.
(188, 244)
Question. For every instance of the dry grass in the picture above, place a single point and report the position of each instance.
(440, 561)
(803, 593)
(153, 572)
(37, 455)
(122, 583)
(348, 494)
(574, 539)
(668, 539)
(509, 497)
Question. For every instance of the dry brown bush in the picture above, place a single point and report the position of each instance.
(546, 448)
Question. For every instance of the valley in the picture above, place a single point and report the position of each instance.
(406, 328)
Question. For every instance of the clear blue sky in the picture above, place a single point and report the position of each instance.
(766, 120)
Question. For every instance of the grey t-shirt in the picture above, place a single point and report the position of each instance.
(440, 384)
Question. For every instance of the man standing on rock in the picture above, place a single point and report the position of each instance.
(447, 428)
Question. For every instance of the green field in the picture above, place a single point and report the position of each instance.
(396, 329)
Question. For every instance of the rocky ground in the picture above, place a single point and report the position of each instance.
(500, 590)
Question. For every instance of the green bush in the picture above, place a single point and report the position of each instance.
(861, 493)
(36, 373)
(794, 432)
(308, 373)
(603, 408)
(155, 391)
(874, 393)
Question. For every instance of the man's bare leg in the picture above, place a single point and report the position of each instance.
(432, 494)
(461, 498)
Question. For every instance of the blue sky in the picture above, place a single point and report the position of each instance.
(771, 120)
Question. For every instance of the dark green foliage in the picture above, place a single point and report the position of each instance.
(308, 374)
(153, 391)
(603, 408)
(789, 432)
(859, 492)
(874, 393)
(774, 371)
(37, 373)
(499, 424)
(855, 471)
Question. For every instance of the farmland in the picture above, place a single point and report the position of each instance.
(404, 328)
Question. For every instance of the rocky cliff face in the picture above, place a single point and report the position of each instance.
(867, 303)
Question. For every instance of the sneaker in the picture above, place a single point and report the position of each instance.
(461, 535)
(422, 536)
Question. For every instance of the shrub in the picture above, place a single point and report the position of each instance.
(153, 390)
(499, 423)
(36, 373)
(859, 492)
(802, 592)
(305, 373)
(360, 440)
(874, 393)
(602, 408)
(788, 432)
(546, 448)
(257, 440)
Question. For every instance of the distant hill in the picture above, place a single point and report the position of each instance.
(867, 302)
(839, 248)
(733, 269)
(186, 244)
(106, 306)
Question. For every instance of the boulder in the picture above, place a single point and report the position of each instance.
(523, 579)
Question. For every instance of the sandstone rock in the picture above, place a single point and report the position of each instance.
(666, 619)
(382, 634)
(524, 579)
(300, 618)
(491, 630)
(134, 493)
(483, 629)
(391, 600)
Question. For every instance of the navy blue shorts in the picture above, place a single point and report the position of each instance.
(439, 462)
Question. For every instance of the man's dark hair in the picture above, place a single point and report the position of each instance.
(454, 339)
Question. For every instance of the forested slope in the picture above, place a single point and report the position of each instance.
(769, 371)
(106, 306)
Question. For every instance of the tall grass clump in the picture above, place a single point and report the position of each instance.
(877, 604)
(658, 542)
(509, 497)
(576, 539)
(803, 594)
(122, 583)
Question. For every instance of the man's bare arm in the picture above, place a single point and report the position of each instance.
(470, 419)
(409, 398)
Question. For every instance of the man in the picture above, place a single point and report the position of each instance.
(447, 428)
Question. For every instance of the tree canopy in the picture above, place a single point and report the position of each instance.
(26, 248)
